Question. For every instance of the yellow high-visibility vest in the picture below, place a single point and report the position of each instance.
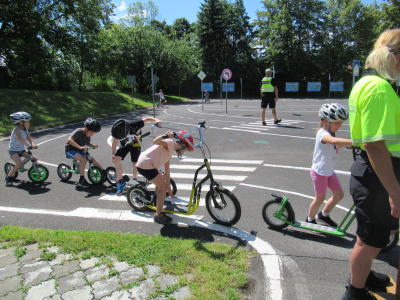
(266, 85)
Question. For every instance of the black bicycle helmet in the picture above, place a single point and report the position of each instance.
(92, 125)
(120, 129)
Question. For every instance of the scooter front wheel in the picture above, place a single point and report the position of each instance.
(226, 211)
(273, 206)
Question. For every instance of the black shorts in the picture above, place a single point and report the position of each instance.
(374, 221)
(268, 100)
(123, 151)
(148, 174)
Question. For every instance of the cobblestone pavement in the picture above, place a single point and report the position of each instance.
(72, 278)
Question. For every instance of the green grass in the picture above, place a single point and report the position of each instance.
(50, 109)
(219, 270)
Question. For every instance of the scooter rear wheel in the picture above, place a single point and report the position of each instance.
(8, 167)
(272, 207)
(137, 198)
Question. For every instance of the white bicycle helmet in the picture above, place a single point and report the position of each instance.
(20, 116)
(333, 112)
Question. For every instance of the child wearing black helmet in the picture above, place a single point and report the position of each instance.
(78, 143)
(18, 141)
(121, 129)
(160, 154)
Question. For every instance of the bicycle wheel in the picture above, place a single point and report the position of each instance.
(96, 175)
(111, 176)
(394, 239)
(272, 207)
(173, 187)
(228, 211)
(38, 177)
(63, 172)
(8, 167)
(137, 197)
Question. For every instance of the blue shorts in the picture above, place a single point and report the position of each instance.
(71, 154)
(20, 153)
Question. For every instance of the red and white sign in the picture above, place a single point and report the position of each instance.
(227, 74)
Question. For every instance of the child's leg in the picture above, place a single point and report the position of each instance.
(83, 161)
(331, 203)
(161, 190)
(336, 188)
(118, 167)
(134, 171)
(18, 164)
(96, 163)
(318, 200)
(320, 186)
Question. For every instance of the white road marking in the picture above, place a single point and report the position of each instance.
(302, 168)
(228, 161)
(177, 200)
(220, 168)
(266, 133)
(290, 192)
(216, 177)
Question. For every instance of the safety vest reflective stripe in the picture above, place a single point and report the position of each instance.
(266, 85)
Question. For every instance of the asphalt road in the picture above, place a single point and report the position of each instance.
(250, 159)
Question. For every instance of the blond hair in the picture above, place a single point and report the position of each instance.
(383, 56)
(268, 71)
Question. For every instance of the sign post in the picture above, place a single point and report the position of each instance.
(356, 70)
(241, 89)
(131, 82)
(329, 95)
(201, 75)
(226, 74)
(220, 83)
(152, 86)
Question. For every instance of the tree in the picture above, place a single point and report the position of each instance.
(289, 33)
(141, 13)
(211, 31)
(390, 15)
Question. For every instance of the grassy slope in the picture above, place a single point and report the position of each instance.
(49, 109)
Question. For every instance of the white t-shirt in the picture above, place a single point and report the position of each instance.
(15, 144)
(325, 155)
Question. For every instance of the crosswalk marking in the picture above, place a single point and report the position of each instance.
(216, 177)
(228, 161)
(219, 168)
(177, 200)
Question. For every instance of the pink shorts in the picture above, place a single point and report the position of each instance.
(321, 183)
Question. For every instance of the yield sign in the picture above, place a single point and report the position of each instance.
(226, 74)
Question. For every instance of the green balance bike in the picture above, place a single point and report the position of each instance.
(36, 173)
(278, 214)
(95, 174)
(221, 203)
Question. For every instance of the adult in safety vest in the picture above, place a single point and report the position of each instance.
(269, 95)
(374, 114)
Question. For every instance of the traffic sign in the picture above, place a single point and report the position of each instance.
(201, 75)
(131, 80)
(155, 78)
(356, 68)
(227, 74)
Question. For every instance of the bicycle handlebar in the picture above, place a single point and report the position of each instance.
(30, 148)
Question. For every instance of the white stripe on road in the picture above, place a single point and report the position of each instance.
(176, 200)
(302, 168)
(271, 261)
(220, 168)
(266, 133)
(228, 161)
(217, 177)
(292, 193)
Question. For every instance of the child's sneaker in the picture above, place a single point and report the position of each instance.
(311, 222)
(8, 181)
(162, 219)
(377, 280)
(327, 220)
(83, 183)
(120, 188)
(278, 121)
